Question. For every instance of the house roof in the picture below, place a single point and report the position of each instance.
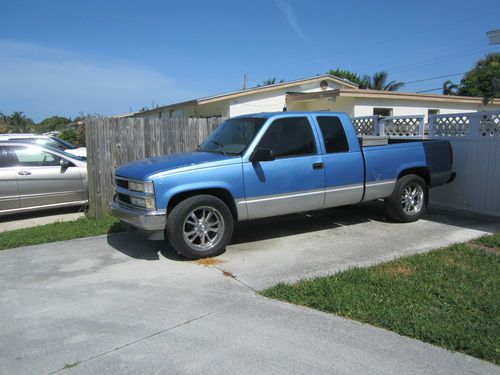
(275, 86)
(378, 94)
(253, 90)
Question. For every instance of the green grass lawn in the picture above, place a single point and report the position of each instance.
(60, 231)
(449, 297)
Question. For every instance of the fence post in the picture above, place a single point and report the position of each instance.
(421, 126)
(381, 126)
(432, 125)
(475, 125)
(376, 125)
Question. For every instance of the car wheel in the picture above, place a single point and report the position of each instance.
(200, 226)
(409, 199)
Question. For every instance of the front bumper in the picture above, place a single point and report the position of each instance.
(149, 221)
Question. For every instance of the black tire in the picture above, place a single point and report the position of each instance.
(179, 227)
(403, 209)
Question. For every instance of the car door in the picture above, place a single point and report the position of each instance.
(42, 180)
(9, 193)
(294, 181)
(343, 162)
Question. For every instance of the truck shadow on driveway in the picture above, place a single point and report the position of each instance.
(282, 226)
(256, 230)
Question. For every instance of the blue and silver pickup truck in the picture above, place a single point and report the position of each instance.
(271, 164)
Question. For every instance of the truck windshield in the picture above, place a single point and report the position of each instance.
(233, 136)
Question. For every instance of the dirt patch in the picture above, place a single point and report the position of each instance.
(228, 274)
(398, 269)
(208, 262)
(488, 249)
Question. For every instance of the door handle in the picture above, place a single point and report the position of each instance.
(23, 173)
(318, 166)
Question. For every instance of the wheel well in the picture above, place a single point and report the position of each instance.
(420, 171)
(220, 193)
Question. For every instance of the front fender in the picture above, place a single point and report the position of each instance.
(228, 177)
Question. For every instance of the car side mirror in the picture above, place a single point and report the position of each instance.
(262, 154)
(64, 163)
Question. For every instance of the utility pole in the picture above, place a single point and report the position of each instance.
(245, 81)
(494, 36)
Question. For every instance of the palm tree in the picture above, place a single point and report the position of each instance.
(19, 122)
(449, 88)
(270, 81)
(347, 74)
(4, 125)
(379, 82)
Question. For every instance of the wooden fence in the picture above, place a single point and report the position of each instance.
(475, 138)
(112, 142)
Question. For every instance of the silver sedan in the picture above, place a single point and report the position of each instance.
(34, 177)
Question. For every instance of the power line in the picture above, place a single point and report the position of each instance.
(430, 79)
(434, 61)
(436, 89)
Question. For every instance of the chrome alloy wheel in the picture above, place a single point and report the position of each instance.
(412, 199)
(203, 228)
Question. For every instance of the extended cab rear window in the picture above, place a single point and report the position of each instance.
(333, 134)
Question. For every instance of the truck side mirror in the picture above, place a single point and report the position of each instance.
(262, 154)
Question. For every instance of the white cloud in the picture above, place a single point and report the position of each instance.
(289, 14)
(43, 81)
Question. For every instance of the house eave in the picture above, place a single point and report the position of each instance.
(378, 94)
(284, 85)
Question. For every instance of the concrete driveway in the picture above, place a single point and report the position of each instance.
(118, 304)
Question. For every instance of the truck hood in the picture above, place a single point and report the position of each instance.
(142, 169)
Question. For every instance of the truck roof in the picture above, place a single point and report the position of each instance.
(272, 114)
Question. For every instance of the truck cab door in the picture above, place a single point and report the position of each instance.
(294, 181)
(343, 162)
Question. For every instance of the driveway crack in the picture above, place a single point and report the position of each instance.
(234, 277)
(77, 363)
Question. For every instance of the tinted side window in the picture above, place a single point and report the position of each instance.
(333, 134)
(33, 157)
(291, 136)
(5, 158)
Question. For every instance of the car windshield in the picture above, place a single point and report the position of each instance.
(233, 136)
(64, 143)
(66, 154)
(53, 142)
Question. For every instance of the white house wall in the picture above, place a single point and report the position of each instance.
(338, 104)
(364, 107)
(256, 103)
(271, 101)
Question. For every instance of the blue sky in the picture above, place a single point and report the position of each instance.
(107, 57)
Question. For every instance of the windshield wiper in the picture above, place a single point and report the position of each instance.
(220, 145)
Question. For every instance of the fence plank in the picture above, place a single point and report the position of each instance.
(112, 142)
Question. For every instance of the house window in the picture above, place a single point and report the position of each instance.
(432, 112)
(383, 112)
(159, 114)
(170, 113)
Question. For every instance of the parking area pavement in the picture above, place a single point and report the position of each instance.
(120, 304)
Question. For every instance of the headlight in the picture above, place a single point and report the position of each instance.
(148, 203)
(144, 187)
